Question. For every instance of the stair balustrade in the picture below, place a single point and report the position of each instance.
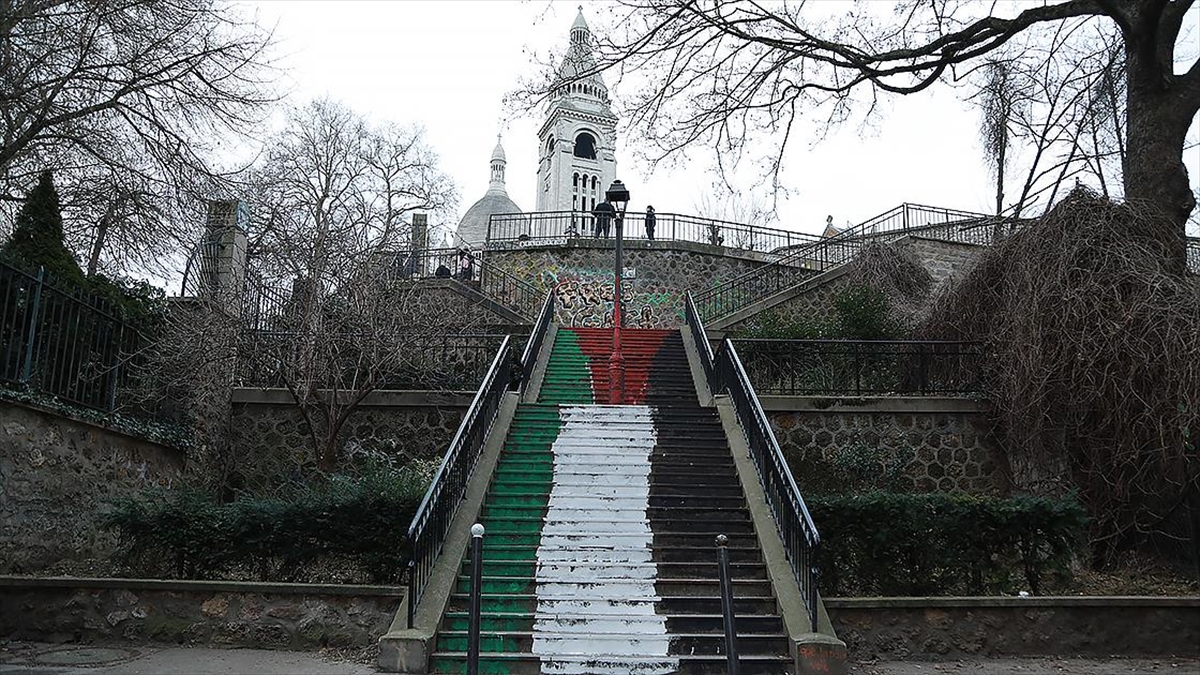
(427, 532)
(533, 346)
(801, 541)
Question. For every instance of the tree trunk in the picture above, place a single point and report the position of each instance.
(1159, 111)
(101, 237)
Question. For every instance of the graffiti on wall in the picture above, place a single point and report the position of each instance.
(585, 298)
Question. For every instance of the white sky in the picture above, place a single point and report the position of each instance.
(447, 66)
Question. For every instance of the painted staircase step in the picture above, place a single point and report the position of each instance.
(551, 637)
(607, 589)
(666, 606)
(525, 664)
(615, 567)
(695, 623)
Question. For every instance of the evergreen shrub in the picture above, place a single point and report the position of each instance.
(886, 544)
(346, 528)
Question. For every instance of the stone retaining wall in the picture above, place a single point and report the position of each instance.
(581, 272)
(944, 444)
(57, 475)
(950, 628)
(272, 616)
(270, 440)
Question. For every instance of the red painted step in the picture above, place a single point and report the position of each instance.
(638, 348)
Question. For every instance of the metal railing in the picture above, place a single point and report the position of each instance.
(444, 362)
(470, 268)
(427, 532)
(534, 344)
(904, 367)
(801, 541)
(810, 259)
(1193, 254)
(65, 343)
(700, 338)
(549, 227)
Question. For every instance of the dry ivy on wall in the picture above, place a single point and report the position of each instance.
(1093, 340)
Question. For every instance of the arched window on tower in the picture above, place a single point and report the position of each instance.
(550, 144)
(585, 146)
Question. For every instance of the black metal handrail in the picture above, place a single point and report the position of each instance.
(508, 290)
(800, 538)
(905, 367)
(700, 338)
(427, 532)
(534, 344)
(810, 259)
(549, 227)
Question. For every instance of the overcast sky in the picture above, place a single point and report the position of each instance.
(447, 65)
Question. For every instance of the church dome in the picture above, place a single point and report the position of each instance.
(473, 228)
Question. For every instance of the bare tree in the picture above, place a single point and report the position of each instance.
(997, 98)
(126, 100)
(331, 190)
(725, 71)
(334, 317)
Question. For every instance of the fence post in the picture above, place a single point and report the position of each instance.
(476, 593)
(114, 372)
(35, 309)
(731, 653)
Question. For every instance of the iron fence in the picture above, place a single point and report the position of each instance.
(549, 227)
(66, 344)
(470, 267)
(700, 338)
(1193, 254)
(801, 540)
(427, 532)
(900, 367)
(809, 259)
(441, 362)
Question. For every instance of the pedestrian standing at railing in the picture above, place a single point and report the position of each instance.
(604, 213)
(466, 265)
(650, 223)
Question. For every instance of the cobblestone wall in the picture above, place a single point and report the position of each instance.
(270, 438)
(932, 451)
(56, 477)
(944, 260)
(272, 616)
(582, 275)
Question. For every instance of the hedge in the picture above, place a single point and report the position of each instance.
(886, 544)
(351, 527)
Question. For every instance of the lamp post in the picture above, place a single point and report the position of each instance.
(618, 196)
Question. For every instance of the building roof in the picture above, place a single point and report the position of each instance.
(473, 227)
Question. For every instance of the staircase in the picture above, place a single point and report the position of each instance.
(599, 555)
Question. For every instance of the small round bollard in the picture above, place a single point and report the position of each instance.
(477, 530)
(722, 540)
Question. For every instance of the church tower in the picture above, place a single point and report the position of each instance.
(578, 141)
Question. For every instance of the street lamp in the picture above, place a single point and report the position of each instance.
(617, 195)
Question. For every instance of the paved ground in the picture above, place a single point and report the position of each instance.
(1039, 666)
(33, 658)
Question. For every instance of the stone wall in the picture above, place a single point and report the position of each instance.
(813, 302)
(270, 442)
(950, 628)
(272, 616)
(56, 477)
(581, 272)
(942, 445)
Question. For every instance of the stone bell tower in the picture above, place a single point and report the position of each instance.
(577, 142)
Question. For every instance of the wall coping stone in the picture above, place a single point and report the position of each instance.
(970, 602)
(383, 398)
(184, 585)
(873, 404)
(95, 424)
